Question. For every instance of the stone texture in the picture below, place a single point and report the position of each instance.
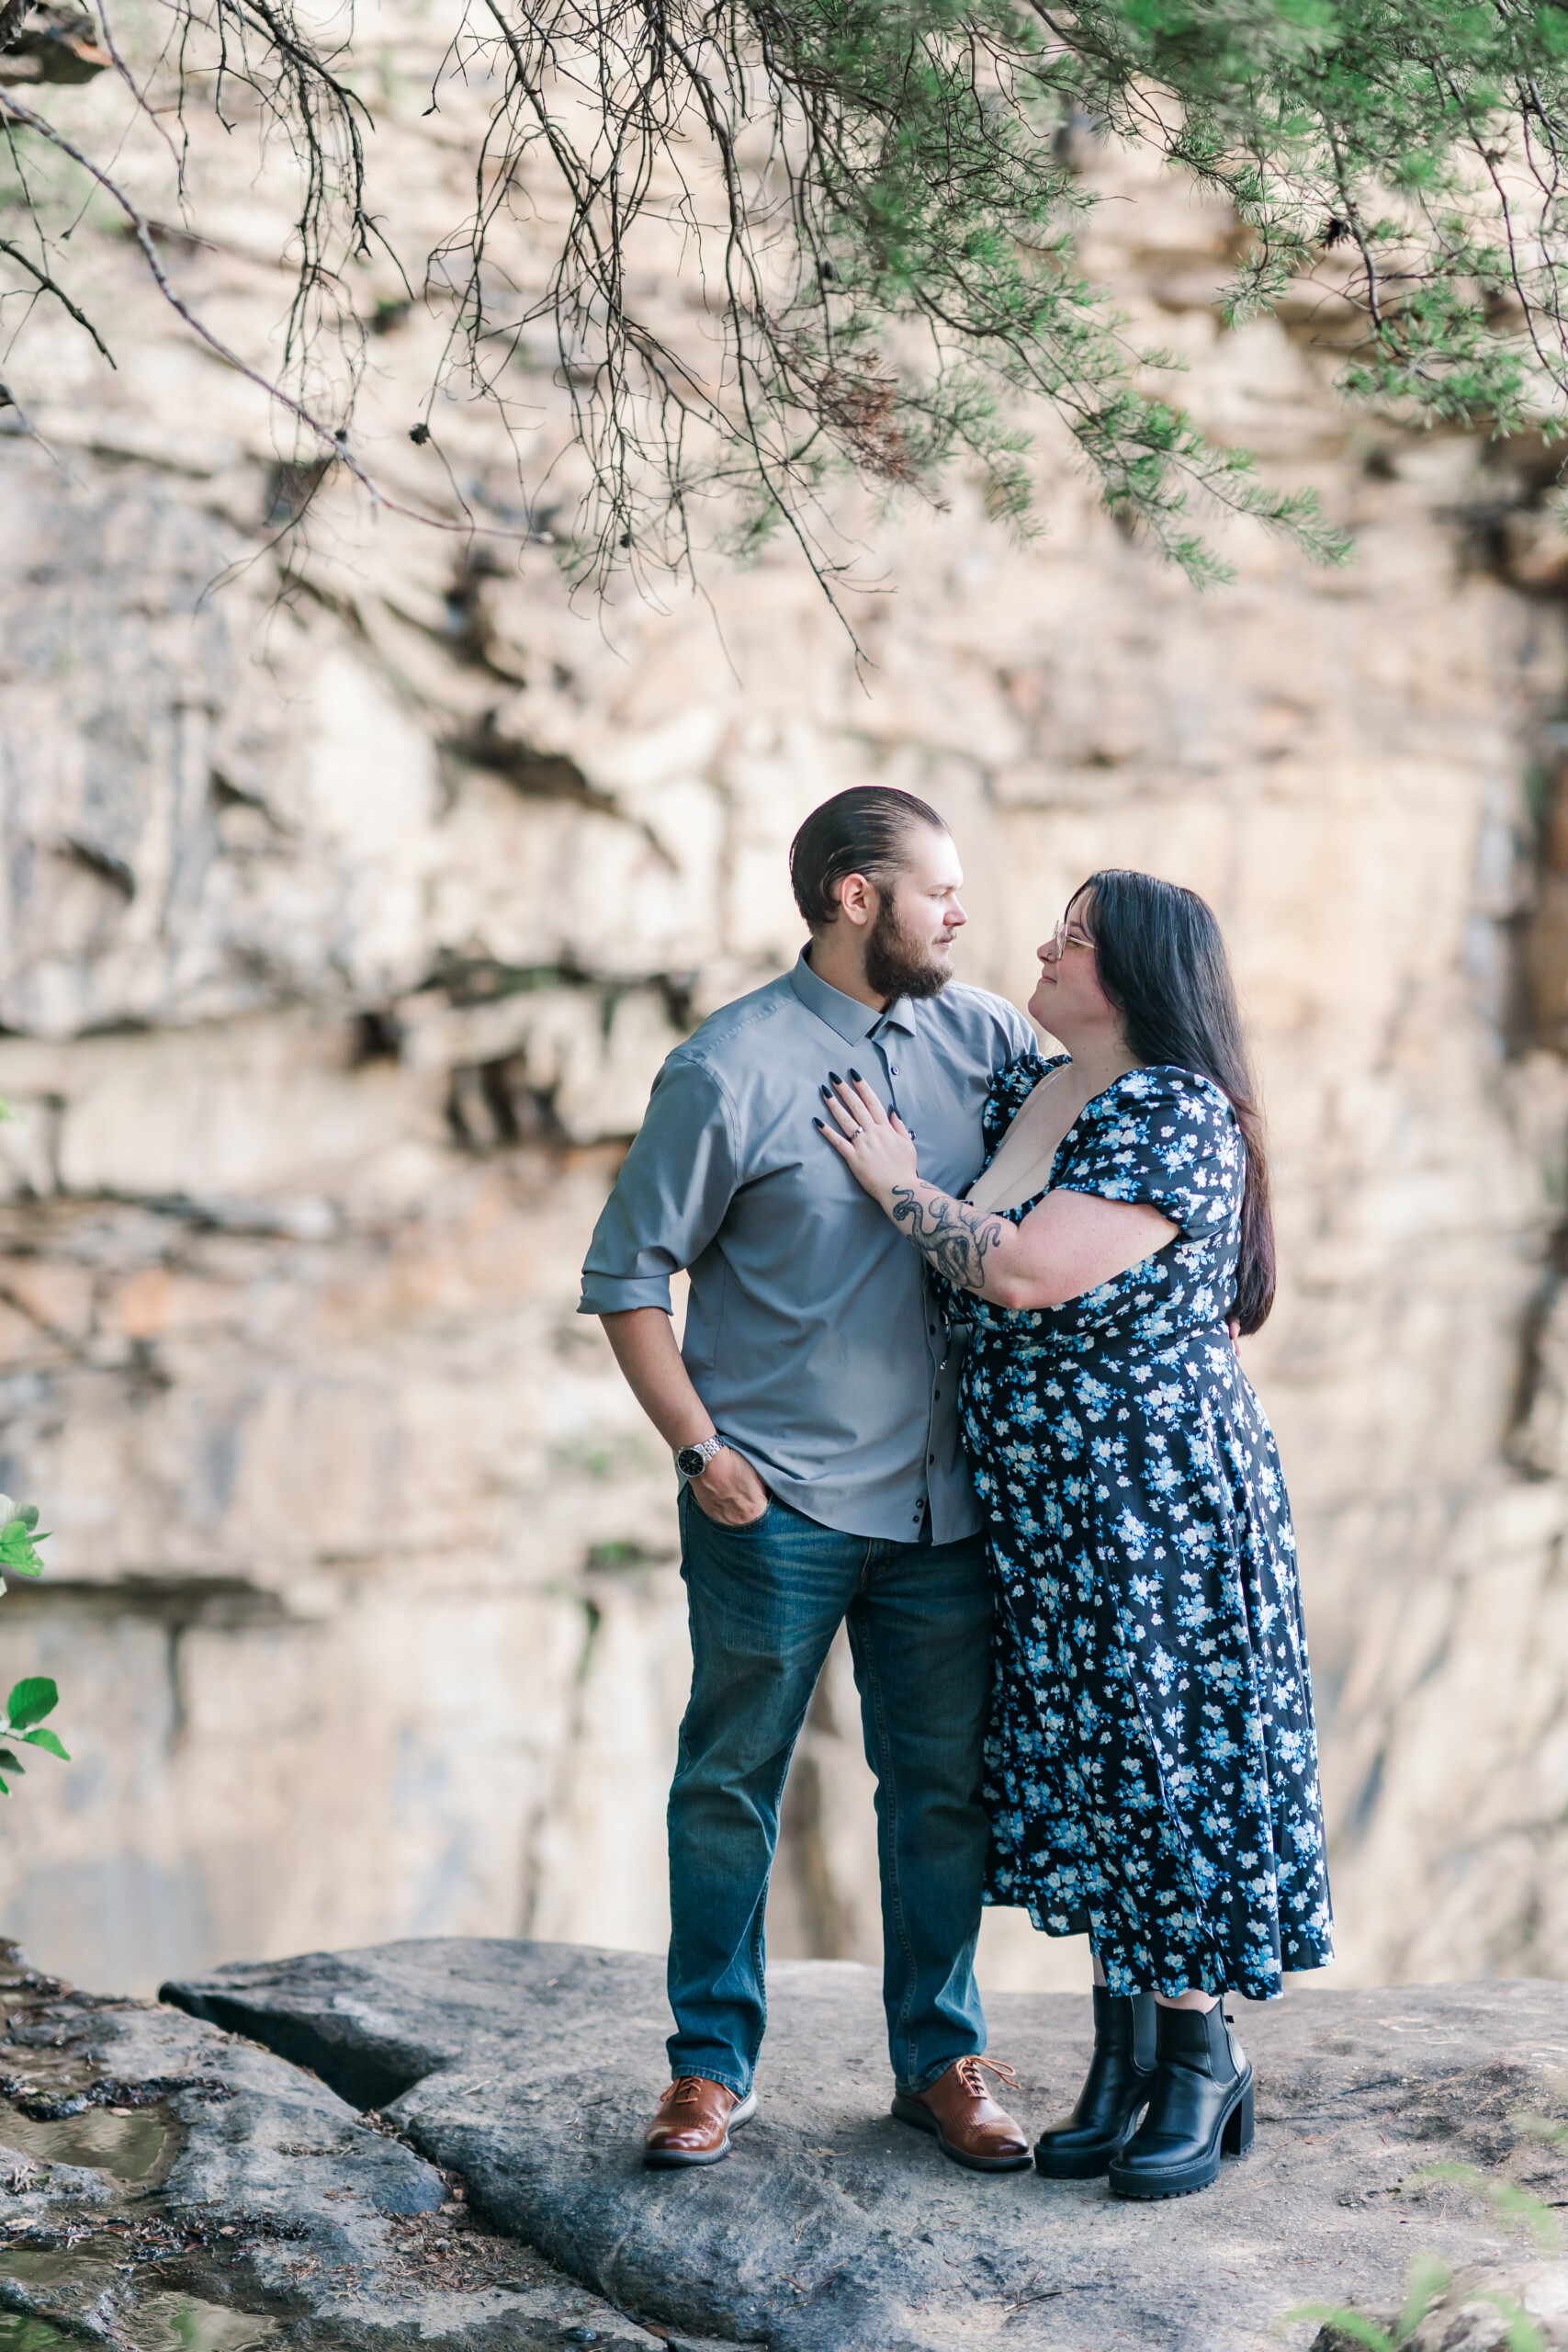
(530, 2068)
(267, 2211)
(347, 908)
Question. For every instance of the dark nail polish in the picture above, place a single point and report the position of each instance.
(833, 1078)
(824, 1094)
(817, 1124)
(857, 1076)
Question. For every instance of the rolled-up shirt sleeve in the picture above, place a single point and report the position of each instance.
(671, 1196)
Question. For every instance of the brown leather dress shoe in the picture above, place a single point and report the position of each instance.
(965, 2120)
(694, 2122)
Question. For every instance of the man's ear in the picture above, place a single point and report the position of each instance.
(859, 899)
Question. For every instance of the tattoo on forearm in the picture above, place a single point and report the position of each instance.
(953, 1238)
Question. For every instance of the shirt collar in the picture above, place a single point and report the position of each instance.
(846, 1014)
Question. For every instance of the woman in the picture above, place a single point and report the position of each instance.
(1151, 1764)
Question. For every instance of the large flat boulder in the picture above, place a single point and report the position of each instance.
(529, 2070)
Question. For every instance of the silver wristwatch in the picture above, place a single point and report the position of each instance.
(693, 1460)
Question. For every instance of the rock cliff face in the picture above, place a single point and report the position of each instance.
(352, 895)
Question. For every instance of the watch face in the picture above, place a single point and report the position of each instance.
(692, 1461)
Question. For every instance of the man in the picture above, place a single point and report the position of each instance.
(812, 1411)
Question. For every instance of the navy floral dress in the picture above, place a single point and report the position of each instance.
(1151, 1764)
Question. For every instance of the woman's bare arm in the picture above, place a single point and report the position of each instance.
(1071, 1243)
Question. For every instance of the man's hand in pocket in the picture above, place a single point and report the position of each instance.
(730, 1491)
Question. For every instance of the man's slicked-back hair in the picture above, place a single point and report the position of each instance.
(864, 830)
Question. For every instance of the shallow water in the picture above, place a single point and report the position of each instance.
(35, 2267)
(31, 2335)
(129, 2146)
(156, 2325)
(184, 2326)
(159, 2322)
(181, 2323)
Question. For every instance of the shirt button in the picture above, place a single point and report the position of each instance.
(930, 1459)
(892, 1069)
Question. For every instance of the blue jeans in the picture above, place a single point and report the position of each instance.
(765, 1602)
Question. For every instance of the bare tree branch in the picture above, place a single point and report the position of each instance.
(51, 285)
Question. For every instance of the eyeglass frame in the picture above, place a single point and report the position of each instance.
(1062, 942)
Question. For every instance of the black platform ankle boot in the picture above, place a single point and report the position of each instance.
(1199, 2102)
(1118, 2082)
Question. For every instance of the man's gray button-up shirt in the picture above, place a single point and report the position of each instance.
(811, 1334)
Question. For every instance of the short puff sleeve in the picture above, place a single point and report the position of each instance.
(1009, 1090)
(1165, 1137)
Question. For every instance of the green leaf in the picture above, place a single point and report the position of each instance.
(1427, 2278)
(18, 1541)
(1537, 2126)
(1351, 2324)
(1507, 2200)
(10, 1761)
(48, 1742)
(1520, 2332)
(31, 1699)
(1514, 2204)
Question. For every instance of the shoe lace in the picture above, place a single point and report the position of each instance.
(687, 2092)
(968, 2072)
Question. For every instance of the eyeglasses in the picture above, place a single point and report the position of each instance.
(1069, 934)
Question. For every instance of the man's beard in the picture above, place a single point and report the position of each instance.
(897, 963)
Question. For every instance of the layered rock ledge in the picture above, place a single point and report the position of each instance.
(436, 2144)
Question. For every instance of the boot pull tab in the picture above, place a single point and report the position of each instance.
(1146, 2032)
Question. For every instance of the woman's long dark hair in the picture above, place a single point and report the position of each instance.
(1162, 961)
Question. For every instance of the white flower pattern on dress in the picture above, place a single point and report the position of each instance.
(1151, 1762)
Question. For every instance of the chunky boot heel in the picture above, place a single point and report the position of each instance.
(1238, 2130)
(1201, 2101)
(1117, 2084)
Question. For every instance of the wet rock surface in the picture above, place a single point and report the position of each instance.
(528, 2069)
(167, 2187)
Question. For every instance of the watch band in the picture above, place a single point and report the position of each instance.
(693, 1460)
